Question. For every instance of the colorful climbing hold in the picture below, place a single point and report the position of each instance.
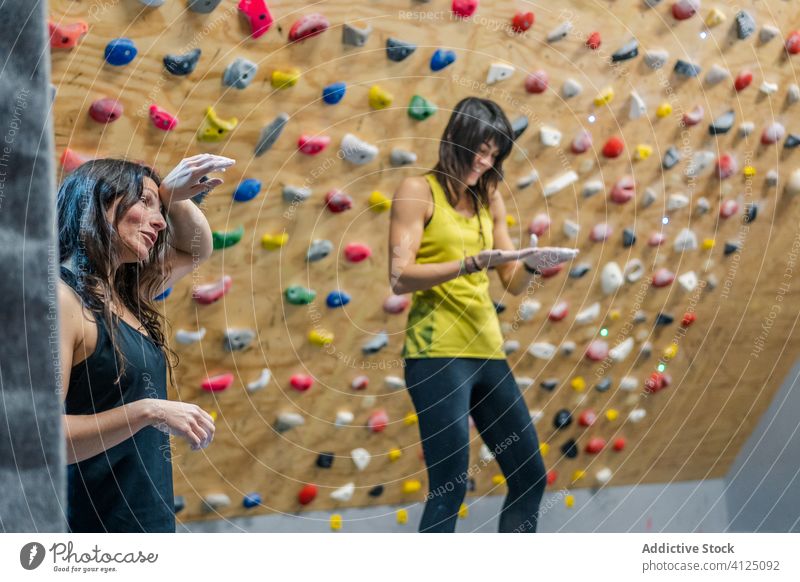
(283, 79)
(214, 128)
(420, 108)
(67, 36)
(247, 190)
(120, 52)
(162, 119)
(399, 50)
(307, 26)
(307, 494)
(258, 15)
(217, 383)
(106, 110)
(301, 382)
(312, 145)
(379, 98)
(208, 294)
(442, 58)
(338, 201)
(333, 93)
(182, 64)
(298, 295)
(225, 239)
(273, 242)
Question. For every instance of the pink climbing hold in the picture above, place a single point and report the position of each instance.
(613, 147)
(587, 418)
(208, 294)
(743, 80)
(663, 278)
(217, 383)
(594, 41)
(656, 239)
(600, 232)
(728, 208)
(773, 133)
(595, 445)
(161, 119)
(688, 319)
(597, 350)
(552, 475)
(726, 166)
(522, 21)
(301, 382)
(67, 36)
(378, 421)
(694, 116)
(308, 26)
(464, 8)
(257, 13)
(559, 311)
(548, 272)
(395, 304)
(357, 252)
(582, 142)
(793, 42)
(338, 201)
(657, 381)
(106, 110)
(684, 9)
(359, 383)
(537, 82)
(70, 160)
(619, 444)
(539, 225)
(624, 190)
(312, 145)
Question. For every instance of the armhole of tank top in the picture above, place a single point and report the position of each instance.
(433, 198)
(97, 324)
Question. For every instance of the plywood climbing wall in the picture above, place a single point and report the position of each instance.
(722, 369)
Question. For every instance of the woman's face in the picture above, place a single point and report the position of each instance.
(139, 226)
(483, 160)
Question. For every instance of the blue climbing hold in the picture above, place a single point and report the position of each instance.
(251, 500)
(334, 93)
(164, 295)
(247, 190)
(442, 58)
(120, 51)
(337, 299)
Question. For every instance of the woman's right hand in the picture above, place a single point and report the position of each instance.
(185, 420)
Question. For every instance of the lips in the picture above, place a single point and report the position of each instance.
(151, 237)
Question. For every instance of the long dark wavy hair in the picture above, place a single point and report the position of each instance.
(91, 247)
(473, 122)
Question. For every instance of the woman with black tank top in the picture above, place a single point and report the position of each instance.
(125, 236)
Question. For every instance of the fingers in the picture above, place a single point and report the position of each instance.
(207, 184)
(216, 164)
(534, 240)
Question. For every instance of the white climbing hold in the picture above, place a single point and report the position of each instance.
(588, 315)
(622, 350)
(793, 184)
(677, 201)
(536, 415)
(510, 346)
(499, 72)
(685, 241)
(638, 107)
(767, 33)
(656, 58)
(591, 188)
(568, 347)
(628, 383)
(288, 420)
(603, 476)
(344, 493)
(688, 281)
(528, 309)
(793, 94)
(343, 418)
(485, 454)
(746, 128)
(610, 278)
(571, 228)
(571, 88)
(634, 270)
(542, 350)
(560, 32)
(703, 205)
(361, 458)
(190, 337)
(261, 382)
(357, 151)
(768, 88)
(549, 136)
(216, 501)
(528, 179)
(524, 382)
(637, 414)
(558, 184)
(394, 382)
(700, 162)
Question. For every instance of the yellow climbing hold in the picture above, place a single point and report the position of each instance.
(395, 454)
(749, 171)
(544, 448)
(578, 384)
(411, 486)
(320, 337)
(410, 418)
(510, 220)
(498, 479)
(708, 244)
(379, 202)
(213, 415)
(643, 151)
(605, 96)
(463, 511)
(336, 522)
(569, 500)
(274, 241)
(402, 516)
(715, 17)
(379, 98)
(285, 78)
(671, 351)
(612, 414)
(578, 474)
(664, 109)
(614, 315)
(213, 127)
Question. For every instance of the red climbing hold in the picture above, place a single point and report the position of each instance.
(793, 43)
(613, 147)
(338, 201)
(537, 82)
(548, 272)
(582, 142)
(694, 116)
(594, 41)
(360, 383)
(308, 26)
(559, 311)
(656, 239)
(595, 445)
(597, 350)
(587, 418)
(301, 382)
(70, 160)
(522, 21)
(726, 166)
(464, 8)
(207, 294)
(624, 190)
(552, 475)
(688, 319)
(619, 444)
(657, 381)
(357, 252)
(728, 208)
(67, 36)
(663, 278)
(684, 9)
(217, 383)
(378, 420)
(395, 304)
(539, 225)
(258, 14)
(161, 119)
(312, 145)
(743, 80)
(307, 494)
(106, 110)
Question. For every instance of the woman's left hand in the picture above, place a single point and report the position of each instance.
(185, 181)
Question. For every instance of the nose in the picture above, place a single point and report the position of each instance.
(158, 222)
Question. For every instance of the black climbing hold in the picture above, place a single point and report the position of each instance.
(519, 125)
(664, 319)
(550, 384)
(751, 213)
(499, 307)
(603, 385)
(671, 157)
(627, 52)
(628, 237)
(179, 503)
(182, 64)
(376, 491)
(722, 124)
(398, 50)
(579, 271)
(792, 141)
(325, 460)
(686, 69)
(730, 248)
(562, 419)
(203, 6)
(570, 449)
(471, 484)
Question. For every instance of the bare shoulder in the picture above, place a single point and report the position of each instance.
(497, 206)
(78, 331)
(413, 188)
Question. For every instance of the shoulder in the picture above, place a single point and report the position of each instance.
(497, 206)
(413, 188)
(70, 310)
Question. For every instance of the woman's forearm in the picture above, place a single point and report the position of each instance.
(88, 435)
(519, 279)
(190, 230)
(417, 277)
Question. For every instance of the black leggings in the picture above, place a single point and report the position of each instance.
(445, 391)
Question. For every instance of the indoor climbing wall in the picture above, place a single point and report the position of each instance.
(655, 136)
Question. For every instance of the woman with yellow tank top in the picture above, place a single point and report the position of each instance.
(448, 228)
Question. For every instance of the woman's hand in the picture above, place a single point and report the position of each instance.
(185, 420)
(546, 257)
(494, 257)
(186, 180)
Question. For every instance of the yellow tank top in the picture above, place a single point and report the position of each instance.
(456, 318)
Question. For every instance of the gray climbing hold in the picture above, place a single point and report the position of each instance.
(716, 74)
(399, 50)
(745, 25)
(355, 36)
(237, 339)
(240, 73)
(685, 241)
(649, 197)
(579, 270)
(560, 32)
(671, 157)
(793, 94)
(357, 151)
(656, 58)
(603, 385)
(571, 88)
(376, 344)
(722, 124)
(628, 51)
(792, 141)
(767, 33)
(293, 194)
(400, 157)
(686, 69)
(271, 133)
(182, 64)
(628, 237)
(519, 125)
(203, 6)
(699, 163)
(318, 250)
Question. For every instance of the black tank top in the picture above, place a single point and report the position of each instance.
(127, 488)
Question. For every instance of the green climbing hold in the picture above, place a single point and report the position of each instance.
(420, 108)
(227, 239)
(299, 295)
